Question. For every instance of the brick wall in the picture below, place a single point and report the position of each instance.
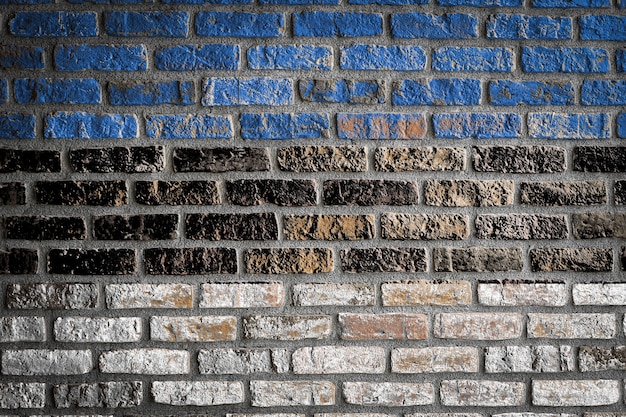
(299, 207)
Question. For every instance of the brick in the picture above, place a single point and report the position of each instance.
(22, 395)
(12, 194)
(230, 361)
(596, 358)
(328, 227)
(599, 225)
(605, 294)
(380, 57)
(420, 159)
(520, 226)
(454, 414)
(54, 24)
(518, 159)
(481, 3)
(288, 260)
(298, 2)
(4, 91)
(290, 57)
(477, 125)
(478, 326)
(369, 193)
(388, 394)
(101, 57)
(537, 59)
(430, 26)
(22, 329)
(92, 261)
(398, 226)
(291, 393)
(620, 57)
(149, 24)
(98, 394)
(270, 191)
(571, 259)
(426, 293)
(279, 126)
(381, 126)
(388, 326)
(599, 159)
(118, 159)
(45, 228)
(534, 93)
(253, 226)
(472, 59)
(18, 261)
(62, 91)
(220, 159)
(193, 329)
(602, 27)
(468, 193)
(82, 193)
(197, 393)
(46, 362)
(242, 295)
(176, 193)
(389, 2)
(52, 296)
(571, 3)
(197, 58)
(521, 27)
(343, 91)
(17, 126)
(339, 360)
(483, 393)
(513, 293)
(97, 329)
(619, 191)
(287, 327)
(190, 261)
(189, 126)
(137, 227)
(247, 91)
(145, 361)
(477, 259)
(434, 360)
(603, 93)
(331, 24)
(572, 393)
(322, 159)
(243, 25)
(149, 93)
(563, 193)
(21, 57)
(363, 260)
(436, 92)
(333, 294)
(535, 359)
(571, 326)
(569, 126)
(81, 125)
(34, 161)
(123, 296)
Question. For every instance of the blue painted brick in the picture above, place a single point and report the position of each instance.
(101, 57)
(152, 24)
(298, 2)
(21, 57)
(343, 91)
(569, 126)
(207, 1)
(80, 125)
(189, 126)
(54, 24)
(377, 57)
(471, 59)
(566, 4)
(110, 1)
(192, 58)
(536, 93)
(247, 91)
(329, 24)
(284, 125)
(141, 93)
(68, 91)
(602, 28)
(4, 91)
(3, 2)
(620, 57)
(517, 26)
(290, 57)
(621, 125)
(381, 126)
(17, 126)
(430, 26)
(441, 92)
(481, 3)
(477, 125)
(244, 25)
(575, 60)
(389, 2)
(603, 93)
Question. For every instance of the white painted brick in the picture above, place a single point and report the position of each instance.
(97, 329)
(575, 393)
(339, 360)
(145, 361)
(198, 393)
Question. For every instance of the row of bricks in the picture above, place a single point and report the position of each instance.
(204, 261)
(535, 59)
(413, 25)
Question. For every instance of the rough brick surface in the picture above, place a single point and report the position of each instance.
(97, 329)
(52, 296)
(436, 359)
(483, 393)
(243, 361)
(571, 326)
(575, 393)
(505, 359)
(388, 394)
(99, 394)
(339, 360)
(197, 393)
(145, 361)
(391, 326)
(478, 326)
(426, 292)
(291, 393)
(193, 329)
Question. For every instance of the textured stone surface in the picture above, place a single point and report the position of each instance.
(369, 193)
(322, 159)
(328, 227)
(253, 226)
(422, 159)
(434, 359)
(22, 329)
(99, 394)
(468, 193)
(571, 393)
(287, 327)
(397, 226)
(242, 295)
(507, 359)
(122, 296)
(52, 296)
(563, 193)
(46, 362)
(289, 261)
(97, 329)
(197, 393)
(571, 259)
(145, 361)
(22, 395)
(478, 326)
(339, 360)
(521, 226)
(383, 260)
(333, 294)
(176, 193)
(518, 159)
(599, 293)
(190, 261)
(482, 393)
(388, 394)
(389, 326)
(599, 225)
(426, 292)
(230, 361)
(193, 329)
(512, 293)
(596, 358)
(477, 259)
(220, 159)
(571, 326)
(291, 393)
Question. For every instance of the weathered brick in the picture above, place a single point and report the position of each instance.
(287, 327)
(478, 326)
(193, 329)
(566, 4)
(499, 359)
(521, 27)
(92, 261)
(564, 60)
(569, 126)
(602, 28)
(343, 91)
(61, 91)
(176, 193)
(426, 293)
(388, 394)
(379, 57)
(599, 225)
(381, 126)
(468, 193)
(22, 395)
(322, 159)
(12, 194)
(119, 159)
(419, 159)
(288, 260)
(571, 326)
(149, 93)
(46, 362)
(35, 161)
(243, 25)
(242, 295)
(597, 358)
(520, 226)
(99, 394)
(81, 125)
(333, 294)
(270, 191)
(398, 226)
(434, 359)
(369, 192)
(52, 296)
(247, 91)
(54, 24)
(189, 126)
(21, 57)
(514, 293)
(279, 126)
(600, 159)
(145, 361)
(122, 296)
(248, 226)
(230, 361)
(563, 193)
(339, 360)
(220, 159)
(17, 126)
(290, 57)
(22, 329)
(436, 92)
(482, 393)
(328, 227)
(97, 329)
(477, 259)
(383, 260)
(571, 259)
(603, 93)
(431, 26)
(619, 192)
(291, 393)
(599, 293)
(477, 125)
(329, 24)
(197, 393)
(518, 159)
(190, 261)
(473, 59)
(197, 57)
(573, 393)
(44, 228)
(150, 24)
(137, 227)
(388, 326)
(534, 93)
(100, 57)
(82, 193)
